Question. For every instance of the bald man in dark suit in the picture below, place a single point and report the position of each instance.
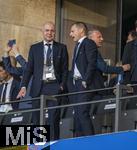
(48, 63)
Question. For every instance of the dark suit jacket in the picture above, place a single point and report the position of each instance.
(15, 87)
(36, 62)
(15, 71)
(21, 61)
(102, 66)
(98, 81)
(130, 57)
(86, 60)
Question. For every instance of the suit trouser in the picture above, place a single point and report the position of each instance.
(82, 121)
(53, 117)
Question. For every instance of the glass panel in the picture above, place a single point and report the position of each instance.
(95, 13)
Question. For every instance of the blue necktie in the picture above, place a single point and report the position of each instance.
(48, 61)
(75, 55)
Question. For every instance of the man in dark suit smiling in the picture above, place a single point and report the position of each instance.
(83, 69)
(48, 63)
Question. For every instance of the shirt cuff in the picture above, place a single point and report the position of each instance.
(23, 87)
(17, 55)
(6, 54)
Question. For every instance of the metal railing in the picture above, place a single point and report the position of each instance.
(43, 99)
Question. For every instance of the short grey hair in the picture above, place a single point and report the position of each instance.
(81, 25)
(90, 32)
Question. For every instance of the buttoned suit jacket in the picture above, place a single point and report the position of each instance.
(36, 63)
(86, 59)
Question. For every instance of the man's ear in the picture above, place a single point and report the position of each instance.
(81, 30)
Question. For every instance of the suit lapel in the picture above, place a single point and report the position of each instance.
(78, 52)
(1, 87)
(55, 51)
(41, 52)
(80, 48)
(40, 55)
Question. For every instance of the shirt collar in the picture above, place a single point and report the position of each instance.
(45, 42)
(10, 80)
(80, 40)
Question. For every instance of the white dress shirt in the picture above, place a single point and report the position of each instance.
(47, 75)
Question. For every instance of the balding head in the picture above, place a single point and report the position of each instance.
(96, 36)
(48, 31)
(78, 30)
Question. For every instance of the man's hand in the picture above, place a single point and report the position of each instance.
(126, 67)
(22, 93)
(15, 50)
(61, 87)
(84, 84)
(7, 51)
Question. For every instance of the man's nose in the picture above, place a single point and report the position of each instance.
(102, 39)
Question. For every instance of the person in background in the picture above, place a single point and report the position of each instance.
(8, 89)
(10, 58)
(102, 66)
(13, 53)
(97, 37)
(132, 35)
(130, 56)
